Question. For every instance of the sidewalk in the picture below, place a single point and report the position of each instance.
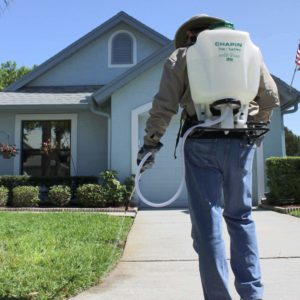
(160, 263)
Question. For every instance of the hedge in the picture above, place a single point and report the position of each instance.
(3, 195)
(25, 196)
(283, 178)
(21, 180)
(74, 190)
(59, 195)
(90, 195)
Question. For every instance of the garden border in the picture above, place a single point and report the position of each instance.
(72, 209)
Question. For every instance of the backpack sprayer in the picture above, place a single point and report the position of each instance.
(223, 64)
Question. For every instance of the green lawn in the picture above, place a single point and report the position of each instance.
(56, 255)
(295, 213)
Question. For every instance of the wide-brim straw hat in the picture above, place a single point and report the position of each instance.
(197, 22)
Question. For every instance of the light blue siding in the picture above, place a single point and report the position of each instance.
(89, 66)
(136, 93)
(91, 139)
(7, 124)
(92, 144)
(274, 144)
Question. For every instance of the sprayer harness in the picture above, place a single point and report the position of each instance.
(254, 131)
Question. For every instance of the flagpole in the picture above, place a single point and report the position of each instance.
(297, 67)
(293, 77)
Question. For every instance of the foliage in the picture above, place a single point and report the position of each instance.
(128, 190)
(4, 4)
(292, 143)
(7, 150)
(57, 255)
(90, 195)
(26, 196)
(9, 73)
(59, 195)
(283, 177)
(295, 213)
(112, 188)
(3, 195)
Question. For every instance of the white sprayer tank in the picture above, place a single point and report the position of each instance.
(223, 63)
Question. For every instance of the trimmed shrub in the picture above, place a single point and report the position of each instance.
(25, 196)
(113, 190)
(45, 182)
(283, 177)
(3, 195)
(12, 181)
(90, 195)
(59, 195)
(129, 186)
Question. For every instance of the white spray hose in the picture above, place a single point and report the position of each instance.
(207, 123)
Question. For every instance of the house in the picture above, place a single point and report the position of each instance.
(91, 101)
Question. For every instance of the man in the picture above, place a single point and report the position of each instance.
(218, 172)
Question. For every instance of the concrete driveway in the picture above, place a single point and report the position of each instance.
(160, 263)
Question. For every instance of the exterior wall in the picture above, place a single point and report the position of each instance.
(91, 139)
(136, 93)
(274, 144)
(92, 144)
(89, 66)
(7, 124)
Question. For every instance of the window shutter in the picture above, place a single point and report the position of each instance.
(122, 49)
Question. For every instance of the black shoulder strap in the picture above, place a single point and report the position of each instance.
(179, 132)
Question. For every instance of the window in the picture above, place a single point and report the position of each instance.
(122, 49)
(46, 147)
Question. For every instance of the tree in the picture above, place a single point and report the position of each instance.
(4, 4)
(9, 73)
(292, 143)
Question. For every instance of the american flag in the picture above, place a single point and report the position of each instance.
(297, 60)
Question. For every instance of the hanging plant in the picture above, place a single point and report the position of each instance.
(8, 151)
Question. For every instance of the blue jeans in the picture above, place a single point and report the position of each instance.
(219, 181)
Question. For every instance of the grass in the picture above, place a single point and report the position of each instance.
(57, 255)
(295, 213)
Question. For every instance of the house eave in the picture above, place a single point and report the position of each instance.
(43, 107)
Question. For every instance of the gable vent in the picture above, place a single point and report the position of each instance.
(122, 49)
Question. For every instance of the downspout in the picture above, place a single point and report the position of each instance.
(106, 115)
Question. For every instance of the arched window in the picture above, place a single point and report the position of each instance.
(122, 49)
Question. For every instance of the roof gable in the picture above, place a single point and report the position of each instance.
(85, 40)
(106, 91)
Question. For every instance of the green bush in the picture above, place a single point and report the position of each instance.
(59, 195)
(129, 186)
(113, 190)
(44, 181)
(3, 195)
(283, 178)
(90, 195)
(25, 196)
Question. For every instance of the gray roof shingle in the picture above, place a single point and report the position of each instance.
(17, 98)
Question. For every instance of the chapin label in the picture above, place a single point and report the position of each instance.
(229, 50)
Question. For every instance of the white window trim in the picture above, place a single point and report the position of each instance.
(135, 132)
(45, 117)
(134, 54)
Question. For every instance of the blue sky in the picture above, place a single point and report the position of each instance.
(32, 31)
